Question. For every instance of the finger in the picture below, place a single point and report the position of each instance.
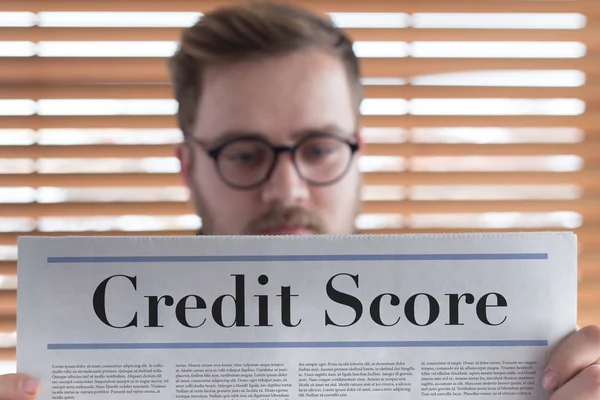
(577, 352)
(18, 387)
(585, 386)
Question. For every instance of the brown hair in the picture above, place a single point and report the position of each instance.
(250, 30)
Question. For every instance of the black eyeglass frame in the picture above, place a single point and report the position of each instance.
(215, 152)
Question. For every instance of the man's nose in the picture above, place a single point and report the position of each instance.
(285, 186)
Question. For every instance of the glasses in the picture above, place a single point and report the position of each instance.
(248, 162)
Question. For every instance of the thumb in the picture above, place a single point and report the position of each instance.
(18, 387)
(577, 352)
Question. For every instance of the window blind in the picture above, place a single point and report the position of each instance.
(480, 115)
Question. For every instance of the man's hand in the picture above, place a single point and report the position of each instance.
(18, 387)
(573, 371)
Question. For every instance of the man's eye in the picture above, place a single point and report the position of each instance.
(319, 151)
(244, 158)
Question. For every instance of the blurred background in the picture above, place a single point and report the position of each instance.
(481, 115)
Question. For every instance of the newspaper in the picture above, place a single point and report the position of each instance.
(352, 317)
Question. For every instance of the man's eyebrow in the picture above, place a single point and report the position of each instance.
(328, 129)
(230, 135)
(235, 134)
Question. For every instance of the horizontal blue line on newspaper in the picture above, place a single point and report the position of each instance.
(302, 257)
(291, 345)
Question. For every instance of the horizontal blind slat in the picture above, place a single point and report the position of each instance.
(8, 353)
(407, 6)
(8, 267)
(8, 324)
(587, 207)
(154, 69)
(587, 179)
(37, 210)
(589, 150)
(588, 121)
(590, 92)
(585, 149)
(590, 35)
(88, 151)
(8, 306)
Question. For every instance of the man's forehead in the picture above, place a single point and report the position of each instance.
(275, 97)
(302, 62)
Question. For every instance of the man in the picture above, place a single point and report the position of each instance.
(252, 79)
(269, 101)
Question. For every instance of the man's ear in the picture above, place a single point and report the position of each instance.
(184, 156)
(360, 137)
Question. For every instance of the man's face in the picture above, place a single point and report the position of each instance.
(281, 101)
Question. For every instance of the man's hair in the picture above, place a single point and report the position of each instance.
(249, 31)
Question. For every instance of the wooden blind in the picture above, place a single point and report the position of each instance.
(481, 115)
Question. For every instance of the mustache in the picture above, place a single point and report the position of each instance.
(283, 217)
